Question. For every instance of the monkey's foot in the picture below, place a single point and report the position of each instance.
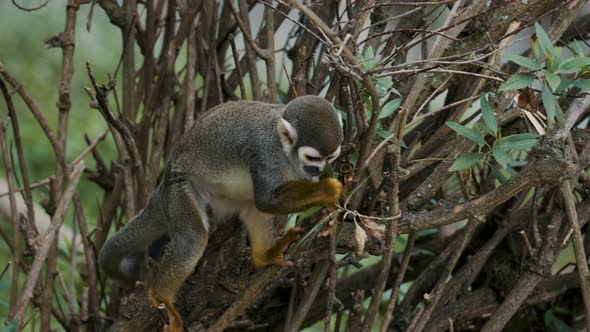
(274, 255)
(174, 320)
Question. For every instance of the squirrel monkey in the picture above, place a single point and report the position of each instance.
(244, 158)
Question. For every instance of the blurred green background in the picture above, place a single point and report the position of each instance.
(38, 69)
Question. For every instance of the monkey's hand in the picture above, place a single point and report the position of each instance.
(274, 256)
(299, 195)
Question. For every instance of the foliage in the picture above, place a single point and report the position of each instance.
(498, 149)
(550, 68)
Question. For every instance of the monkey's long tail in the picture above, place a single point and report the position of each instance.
(122, 255)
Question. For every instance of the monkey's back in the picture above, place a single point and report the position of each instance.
(217, 151)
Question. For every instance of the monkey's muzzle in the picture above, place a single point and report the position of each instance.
(312, 170)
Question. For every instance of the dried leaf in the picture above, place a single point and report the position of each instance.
(360, 236)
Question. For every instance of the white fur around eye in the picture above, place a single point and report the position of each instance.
(334, 155)
(305, 152)
(288, 134)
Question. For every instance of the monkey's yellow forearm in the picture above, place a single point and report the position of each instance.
(299, 195)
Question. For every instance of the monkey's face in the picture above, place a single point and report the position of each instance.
(308, 161)
(311, 134)
(312, 162)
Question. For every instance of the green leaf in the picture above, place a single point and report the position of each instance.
(517, 81)
(500, 155)
(544, 41)
(522, 141)
(525, 62)
(384, 133)
(573, 65)
(488, 115)
(519, 137)
(582, 84)
(549, 103)
(11, 327)
(522, 145)
(482, 127)
(563, 85)
(578, 50)
(553, 80)
(389, 108)
(498, 174)
(383, 84)
(368, 59)
(469, 133)
(465, 161)
(536, 48)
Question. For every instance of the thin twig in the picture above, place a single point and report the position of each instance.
(581, 260)
(46, 243)
(35, 111)
(332, 284)
(436, 295)
(316, 281)
(101, 97)
(14, 244)
(30, 222)
(238, 67)
(391, 229)
(398, 282)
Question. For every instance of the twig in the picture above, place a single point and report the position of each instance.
(46, 243)
(245, 28)
(332, 284)
(391, 229)
(90, 257)
(581, 260)
(438, 291)
(398, 282)
(291, 84)
(416, 4)
(250, 295)
(101, 97)
(238, 67)
(33, 185)
(270, 62)
(189, 81)
(14, 245)
(32, 9)
(30, 222)
(89, 148)
(528, 280)
(431, 96)
(35, 111)
(250, 52)
(316, 281)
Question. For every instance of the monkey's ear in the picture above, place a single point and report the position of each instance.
(288, 134)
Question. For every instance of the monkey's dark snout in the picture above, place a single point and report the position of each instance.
(312, 170)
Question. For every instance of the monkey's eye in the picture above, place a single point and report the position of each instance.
(310, 158)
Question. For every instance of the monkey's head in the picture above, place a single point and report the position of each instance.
(311, 134)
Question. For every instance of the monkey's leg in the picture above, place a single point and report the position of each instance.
(122, 255)
(265, 250)
(188, 229)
